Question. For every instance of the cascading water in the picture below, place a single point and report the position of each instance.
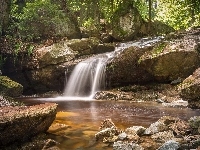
(88, 76)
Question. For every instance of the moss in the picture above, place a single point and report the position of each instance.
(9, 87)
(154, 53)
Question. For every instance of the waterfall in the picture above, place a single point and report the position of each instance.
(88, 76)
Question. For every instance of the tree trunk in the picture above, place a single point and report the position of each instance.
(4, 15)
(149, 22)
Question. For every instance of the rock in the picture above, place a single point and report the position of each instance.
(109, 132)
(44, 70)
(84, 46)
(161, 125)
(108, 135)
(194, 123)
(190, 87)
(170, 145)
(119, 145)
(54, 54)
(164, 136)
(9, 101)
(124, 69)
(180, 127)
(169, 61)
(38, 142)
(103, 48)
(177, 103)
(18, 124)
(127, 23)
(139, 130)
(122, 136)
(9, 87)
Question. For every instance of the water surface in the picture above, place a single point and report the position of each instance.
(83, 118)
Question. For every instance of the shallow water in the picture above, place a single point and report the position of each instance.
(83, 118)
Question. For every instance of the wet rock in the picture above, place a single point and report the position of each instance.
(194, 123)
(180, 127)
(167, 62)
(161, 125)
(164, 136)
(190, 87)
(119, 145)
(169, 145)
(84, 46)
(139, 130)
(122, 136)
(9, 101)
(177, 103)
(124, 69)
(109, 132)
(9, 87)
(39, 142)
(18, 124)
(103, 48)
(108, 135)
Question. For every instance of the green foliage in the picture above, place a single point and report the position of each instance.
(38, 19)
(176, 14)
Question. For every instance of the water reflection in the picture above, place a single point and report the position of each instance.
(84, 118)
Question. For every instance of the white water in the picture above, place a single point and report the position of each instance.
(88, 76)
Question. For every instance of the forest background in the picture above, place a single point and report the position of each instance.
(17, 17)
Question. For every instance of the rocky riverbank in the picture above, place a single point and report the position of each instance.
(167, 133)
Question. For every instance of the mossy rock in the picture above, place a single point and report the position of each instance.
(9, 87)
(169, 61)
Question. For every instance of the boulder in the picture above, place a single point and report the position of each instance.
(45, 69)
(18, 124)
(54, 54)
(161, 125)
(9, 87)
(128, 23)
(124, 69)
(170, 61)
(85, 46)
(190, 87)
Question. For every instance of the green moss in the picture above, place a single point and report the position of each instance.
(9, 87)
(154, 53)
(159, 49)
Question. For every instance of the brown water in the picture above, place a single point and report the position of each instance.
(82, 119)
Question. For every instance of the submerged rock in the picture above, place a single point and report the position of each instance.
(18, 124)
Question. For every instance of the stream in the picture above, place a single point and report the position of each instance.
(78, 121)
